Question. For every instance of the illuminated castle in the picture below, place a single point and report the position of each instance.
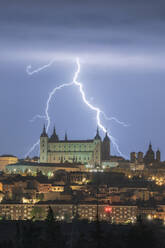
(54, 150)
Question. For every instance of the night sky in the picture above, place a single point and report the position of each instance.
(121, 46)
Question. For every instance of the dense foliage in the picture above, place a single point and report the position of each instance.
(81, 234)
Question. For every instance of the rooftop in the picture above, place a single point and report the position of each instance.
(72, 141)
(25, 163)
(8, 155)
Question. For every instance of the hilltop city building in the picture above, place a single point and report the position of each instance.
(92, 151)
(7, 159)
(149, 158)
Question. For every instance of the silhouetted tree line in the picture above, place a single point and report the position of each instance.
(81, 234)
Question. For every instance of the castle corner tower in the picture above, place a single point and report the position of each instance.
(43, 146)
(106, 148)
(98, 148)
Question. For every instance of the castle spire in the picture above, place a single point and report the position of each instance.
(106, 138)
(54, 136)
(150, 146)
(44, 129)
(66, 137)
(54, 130)
(97, 134)
(44, 134)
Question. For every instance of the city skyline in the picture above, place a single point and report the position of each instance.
(122, 71)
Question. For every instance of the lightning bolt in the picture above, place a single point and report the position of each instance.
(38, 117)
(92, 107)
(29, 67)
(116, 120)
(96, 109)
(46, 117)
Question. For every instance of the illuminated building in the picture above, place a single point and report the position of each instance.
(136, 167)
(1, 186)
(57, 188)
(140, 157)
(133, 157)
(47, 169)
(53, 150)
(7, 159)
(66, 211)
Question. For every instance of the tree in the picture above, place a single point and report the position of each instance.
(53, 234)
(38, 213)
(50, 215)
(141, 235)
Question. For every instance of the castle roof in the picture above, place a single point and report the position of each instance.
(97, 135)
(7, 155)
(46, 165)
(71, 141)
(54, 136)
(44, 134)
(106, 138)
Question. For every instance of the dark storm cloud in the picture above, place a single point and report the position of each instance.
(79, 14)
(76, 24)
(95, 13)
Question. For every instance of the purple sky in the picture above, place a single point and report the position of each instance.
(121, 49)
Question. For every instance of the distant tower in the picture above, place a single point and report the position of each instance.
(133, 157)
(106, 148)
(140, 157)
(158, 156)
(98, 148)
(66, 137)
(43, 146)
(150, 156)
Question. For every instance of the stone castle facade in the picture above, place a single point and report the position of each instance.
(92, 152)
